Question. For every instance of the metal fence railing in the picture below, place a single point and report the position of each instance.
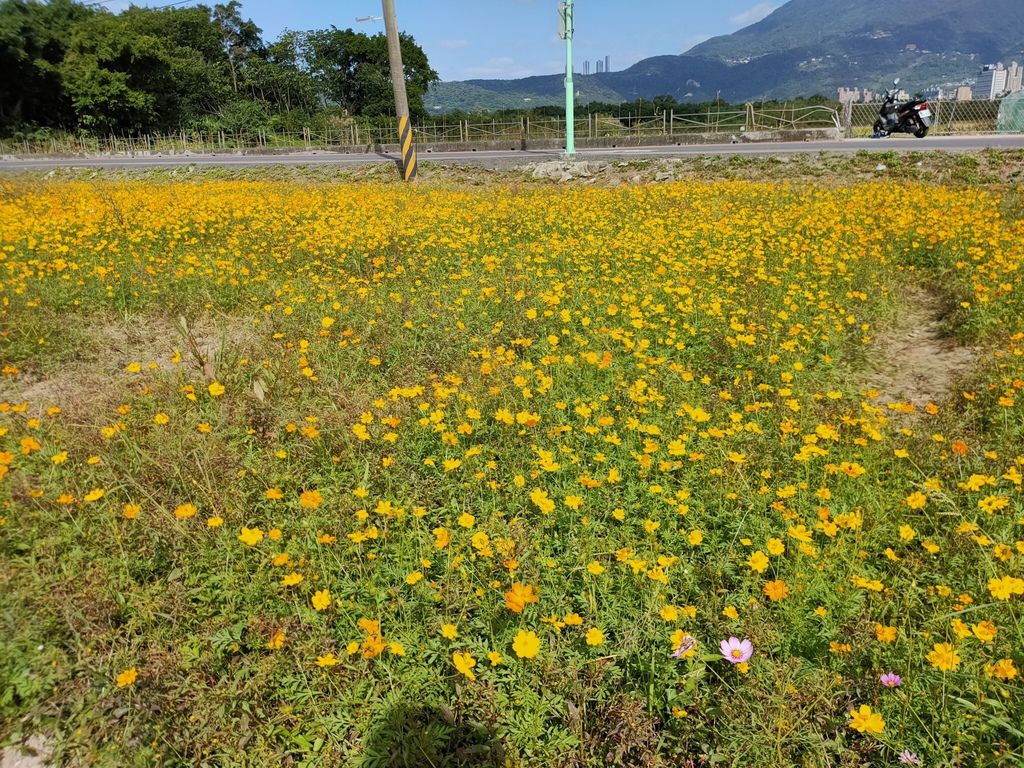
(357, 133)
(951, 117)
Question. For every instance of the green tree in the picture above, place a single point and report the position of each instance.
(278, 77)
(200, 82)
(353, 71)
(64, 64)
(117, 78)
(33, 40)
(240, 38)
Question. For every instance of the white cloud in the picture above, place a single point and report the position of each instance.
(753, 15)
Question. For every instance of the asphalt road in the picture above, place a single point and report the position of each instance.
(496, 158)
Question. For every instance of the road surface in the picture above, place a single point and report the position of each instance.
(516, 157)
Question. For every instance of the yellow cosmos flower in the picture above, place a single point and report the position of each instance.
(865, 720)
(94, 495)
(885, 634)
(916, 500)
(464, 663)
(944, 657)
(185, 511)
(1006, 587)
(321, 600)
(519, 596)
(526, 644)
(776, 590)
(776, 547)
(310, 499)
(251, 536)
(758, 562)
(441, 537)
(543, 501)
(126, 678)
(1003, 669)
(985, 631)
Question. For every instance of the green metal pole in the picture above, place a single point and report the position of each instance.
(570, 94)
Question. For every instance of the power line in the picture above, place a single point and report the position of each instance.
(151, 8)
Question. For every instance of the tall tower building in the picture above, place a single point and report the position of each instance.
(991, 82)
(607, 64)
(1014, 77)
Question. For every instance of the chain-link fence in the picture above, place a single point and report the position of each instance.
(855, 120)
(949, 118)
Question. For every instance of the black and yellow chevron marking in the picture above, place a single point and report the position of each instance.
(408, 153)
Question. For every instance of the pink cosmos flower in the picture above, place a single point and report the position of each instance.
(736, 651)
(889, 680)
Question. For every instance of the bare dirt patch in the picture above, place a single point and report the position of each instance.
(914, 360)
(34, 753)
(80, 386)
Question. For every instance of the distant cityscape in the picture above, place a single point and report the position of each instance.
(993, 82)
(600, 65)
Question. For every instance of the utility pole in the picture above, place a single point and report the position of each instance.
(401, 100)
(565, 32)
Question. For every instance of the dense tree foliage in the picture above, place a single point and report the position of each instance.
(75, 67)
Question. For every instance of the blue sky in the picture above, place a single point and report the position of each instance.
(516, 38)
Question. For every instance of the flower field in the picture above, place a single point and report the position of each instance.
(359, 474)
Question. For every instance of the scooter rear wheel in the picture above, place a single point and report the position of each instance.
(921, 133)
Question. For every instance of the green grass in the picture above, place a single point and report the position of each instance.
(683, 368)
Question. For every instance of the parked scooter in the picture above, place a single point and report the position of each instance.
(911, 117)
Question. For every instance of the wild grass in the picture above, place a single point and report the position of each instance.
(313, 473)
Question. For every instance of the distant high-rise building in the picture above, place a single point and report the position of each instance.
(600, 66)
(848, 94)
(991, 82)
(586, 67)
(607, 64)
(1014, 77)
(856, 96)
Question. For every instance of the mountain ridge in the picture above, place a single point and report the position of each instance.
(803, 48)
